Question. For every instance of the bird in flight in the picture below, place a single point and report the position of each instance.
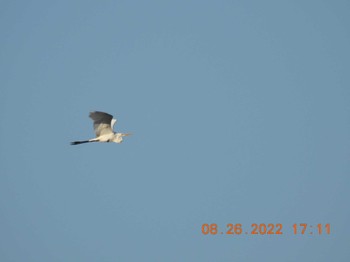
(103, 125)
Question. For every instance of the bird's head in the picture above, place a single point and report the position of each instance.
(119, 137)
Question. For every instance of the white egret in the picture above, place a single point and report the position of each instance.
(103, 125)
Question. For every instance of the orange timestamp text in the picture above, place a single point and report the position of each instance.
(266, 229)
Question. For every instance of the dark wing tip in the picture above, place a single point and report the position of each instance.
(97, 115)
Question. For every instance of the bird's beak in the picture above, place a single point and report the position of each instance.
(129, 134)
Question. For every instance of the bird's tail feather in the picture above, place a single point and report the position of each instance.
(81, 142)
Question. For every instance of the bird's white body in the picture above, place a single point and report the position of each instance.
(113, 137)
(103, 126)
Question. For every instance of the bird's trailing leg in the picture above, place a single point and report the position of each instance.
(82, 142)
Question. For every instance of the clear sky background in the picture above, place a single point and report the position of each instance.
(240, 113)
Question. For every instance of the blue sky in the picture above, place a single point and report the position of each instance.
(239, 112)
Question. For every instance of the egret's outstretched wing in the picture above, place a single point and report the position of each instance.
(103, 123)
(113, 122)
